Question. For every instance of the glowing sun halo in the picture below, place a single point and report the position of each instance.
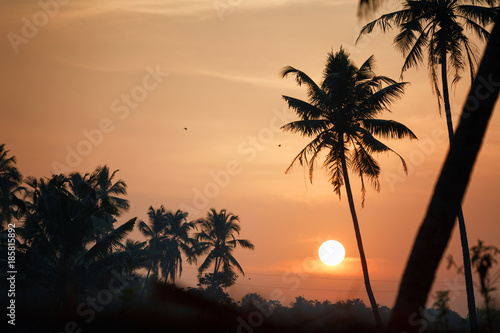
(331, 252)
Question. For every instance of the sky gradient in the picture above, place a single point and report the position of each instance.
(117, 82)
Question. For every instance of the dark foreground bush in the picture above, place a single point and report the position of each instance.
(170, 309)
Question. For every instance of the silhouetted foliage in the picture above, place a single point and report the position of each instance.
(70, 245)
(483, 258)
(341, 118)
(11, 206)
(442, 305)
(434, 233)
(436, 28)
(168, 237)
(213, 286)
(217, 239)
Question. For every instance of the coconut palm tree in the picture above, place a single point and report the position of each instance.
(10, 181)
(341, 117)
(436, 228)
(217, 238)
(63, 256)
(436, 28)
(483, 258)
(107, 194)
(154, 233)
(107, 191)
(177, 235)
(138, 254)
(168, 237)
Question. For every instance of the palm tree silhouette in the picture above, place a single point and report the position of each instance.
(138, 254)
(154, 233)
(10, 180)
(107, 191)
(177, 233)
(218, 238)
(63, 252)
(105, 203)
(436, 228)
(483, 258)
(341, 118)
(436, 28)
(168, 236)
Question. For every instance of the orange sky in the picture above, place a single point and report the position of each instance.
(85, 71)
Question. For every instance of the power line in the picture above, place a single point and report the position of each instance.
(291, 274)
(300, 289)
(315, 289)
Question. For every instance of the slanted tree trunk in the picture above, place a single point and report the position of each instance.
(145, 284)
(436, 228)
(364, 265)
(471, 303)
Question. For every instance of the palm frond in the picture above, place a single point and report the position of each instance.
(388, 129)
(244, 243)
(207, 262)
(434, 56)
(303, 109)
(333, 162)
(381, 100)
(407, 35)
(99, 273)
(478, 30)
(365, 71)
(365, 165)
(471, 51)
(313, 148)
(372, 145)
(480, 15)
(383, 22)
(306, 127)
(232, 261)
(105, 246)
(145, 229)
(416, 53)
(314, 92)
(366, 7)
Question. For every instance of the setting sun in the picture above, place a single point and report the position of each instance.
(331, 253)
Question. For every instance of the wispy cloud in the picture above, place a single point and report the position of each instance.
(242, 78)
(200, 8)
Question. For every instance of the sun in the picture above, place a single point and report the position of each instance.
(331, 252)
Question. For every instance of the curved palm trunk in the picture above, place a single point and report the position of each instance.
(216, 266)
(216, 269)
(145, 283)
(436, 228)
(471, 303)
(364, 265)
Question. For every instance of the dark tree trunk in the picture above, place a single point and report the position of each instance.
(145, 284)
(436, 228)
(357, 231)
(471, 303)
